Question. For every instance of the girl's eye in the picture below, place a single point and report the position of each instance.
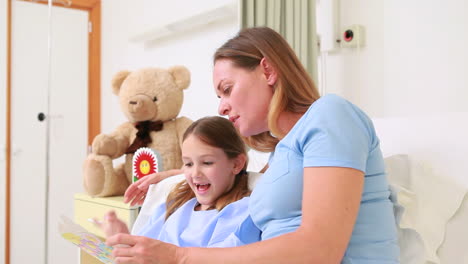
(208, 163)
(188, 164)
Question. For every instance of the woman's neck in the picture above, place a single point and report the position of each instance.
(287, 120)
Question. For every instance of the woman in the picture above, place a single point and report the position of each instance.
(324, 197)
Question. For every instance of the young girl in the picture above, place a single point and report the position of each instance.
(209, 208)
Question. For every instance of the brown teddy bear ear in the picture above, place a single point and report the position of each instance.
(118, 80)
(181, 76)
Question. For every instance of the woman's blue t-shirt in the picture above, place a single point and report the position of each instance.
(333, 133)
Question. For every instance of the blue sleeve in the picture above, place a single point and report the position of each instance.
(336, 133)
(154, 226)
(235, 227)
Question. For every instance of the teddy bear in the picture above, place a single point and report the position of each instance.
(151, 99)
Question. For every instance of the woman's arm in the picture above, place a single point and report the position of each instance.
(137, 191)
(331, 200)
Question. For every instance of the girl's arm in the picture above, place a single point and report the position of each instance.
(137, 191)
(331, 200)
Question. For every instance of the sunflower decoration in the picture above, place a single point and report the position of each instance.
(145, 162)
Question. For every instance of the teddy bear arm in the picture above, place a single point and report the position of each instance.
(104, 144)
(114, 144)
(122, 137)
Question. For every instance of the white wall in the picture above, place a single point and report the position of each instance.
(3, 63)
(123, 19)
(429, 67)
(414, 61)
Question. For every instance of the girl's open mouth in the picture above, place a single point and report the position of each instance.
(202, 187)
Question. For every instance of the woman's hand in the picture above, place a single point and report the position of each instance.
(137, 249)
(111, 224)
(136, 192)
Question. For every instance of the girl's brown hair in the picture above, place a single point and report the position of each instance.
(217, 132)
(294, 90)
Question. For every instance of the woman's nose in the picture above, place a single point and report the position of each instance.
(223, 108)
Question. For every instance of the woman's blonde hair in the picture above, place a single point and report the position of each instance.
(217, 132)
(294, 90)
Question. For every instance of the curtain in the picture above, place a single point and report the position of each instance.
(293, 19)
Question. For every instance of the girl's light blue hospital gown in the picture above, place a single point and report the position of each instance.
(333, 132)
(232, 226)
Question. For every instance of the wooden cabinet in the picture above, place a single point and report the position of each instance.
(87, 207)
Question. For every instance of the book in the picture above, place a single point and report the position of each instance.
(85, 240)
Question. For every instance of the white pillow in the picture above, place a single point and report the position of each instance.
(453, 250)
(424, 204)
(257, 160)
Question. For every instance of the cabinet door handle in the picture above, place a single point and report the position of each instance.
(41, 117)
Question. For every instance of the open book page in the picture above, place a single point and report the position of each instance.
(85, 240)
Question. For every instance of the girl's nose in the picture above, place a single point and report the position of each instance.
(196, 172)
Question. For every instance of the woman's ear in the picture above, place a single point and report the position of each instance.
(269, 71)
(239, 163)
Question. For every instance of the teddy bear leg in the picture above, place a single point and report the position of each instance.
(93, 175)
(120, 183)
(100, 179)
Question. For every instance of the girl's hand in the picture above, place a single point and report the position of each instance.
(138, 249)
(136, 192)
(111, 224)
